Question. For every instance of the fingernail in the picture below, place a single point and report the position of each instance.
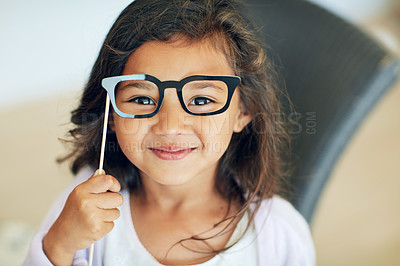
(98, 173)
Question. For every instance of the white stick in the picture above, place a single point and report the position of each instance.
(103, 144)
(103, 140)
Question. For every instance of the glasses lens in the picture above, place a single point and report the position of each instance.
(205, 96)
(136, 97)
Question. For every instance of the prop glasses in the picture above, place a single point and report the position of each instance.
(141, 95)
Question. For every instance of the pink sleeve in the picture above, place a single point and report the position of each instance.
(36, 255)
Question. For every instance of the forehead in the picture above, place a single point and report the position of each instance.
(178, 58)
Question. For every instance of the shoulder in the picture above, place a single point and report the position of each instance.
(58, 204)
(83, 174)
(282, 214)
(35, 255)
(282, 229)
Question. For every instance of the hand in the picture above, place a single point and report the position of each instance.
(87, 216)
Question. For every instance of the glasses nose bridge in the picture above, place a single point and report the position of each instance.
(170, 84)
(170, 118)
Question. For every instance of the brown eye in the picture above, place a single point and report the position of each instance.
(142, 100)
(200, 101)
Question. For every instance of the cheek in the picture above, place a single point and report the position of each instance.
(215, 132)
(216, 125)
(130, 133)
(125, 126)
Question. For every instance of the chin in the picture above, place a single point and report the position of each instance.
(168, 178)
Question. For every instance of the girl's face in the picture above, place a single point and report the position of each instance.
(174, 147)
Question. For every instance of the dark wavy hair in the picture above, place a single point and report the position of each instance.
(252, 167)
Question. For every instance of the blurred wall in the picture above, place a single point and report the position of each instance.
(49, 46)
(358, 11)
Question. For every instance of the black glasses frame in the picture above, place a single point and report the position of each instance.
(109, 84)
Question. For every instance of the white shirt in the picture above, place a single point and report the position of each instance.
(125, 247)
(283, 236)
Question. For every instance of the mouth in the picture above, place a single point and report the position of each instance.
(171, 152)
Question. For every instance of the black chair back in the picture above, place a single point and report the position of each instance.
(334, 74)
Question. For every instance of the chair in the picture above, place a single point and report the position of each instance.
(334, 75)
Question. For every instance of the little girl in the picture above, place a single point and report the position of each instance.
(192, 163)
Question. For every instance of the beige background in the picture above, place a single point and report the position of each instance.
(357, 221)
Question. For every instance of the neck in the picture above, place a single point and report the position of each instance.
(176, 198)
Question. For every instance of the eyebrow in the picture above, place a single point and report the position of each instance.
(205, 84)
(138, 85)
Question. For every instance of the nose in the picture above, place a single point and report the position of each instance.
(171, 119)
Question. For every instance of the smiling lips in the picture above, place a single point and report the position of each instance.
(171, 152)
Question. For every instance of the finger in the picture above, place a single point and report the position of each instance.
(102, 183)
(108, 226)
(110, 215)
(101, 230)
(109, 200)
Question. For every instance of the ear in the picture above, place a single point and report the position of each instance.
(243, 119)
